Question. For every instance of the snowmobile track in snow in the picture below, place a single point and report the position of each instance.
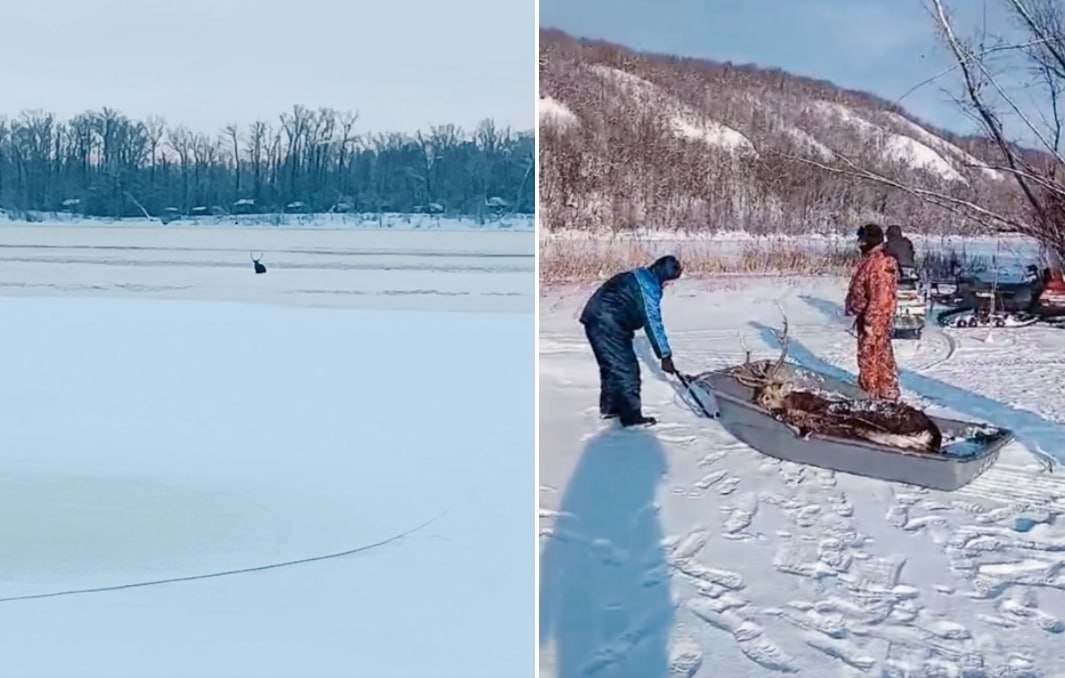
(952, 348)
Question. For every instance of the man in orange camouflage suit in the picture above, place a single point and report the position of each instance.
(871, 299)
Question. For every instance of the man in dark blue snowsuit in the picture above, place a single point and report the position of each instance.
(625, 303)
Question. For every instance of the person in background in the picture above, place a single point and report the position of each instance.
(623, 304)
(871, 299)
(900, 247)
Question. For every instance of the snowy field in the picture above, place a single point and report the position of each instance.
(677, 550)
(320, 471)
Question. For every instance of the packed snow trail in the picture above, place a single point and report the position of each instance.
(677, 550)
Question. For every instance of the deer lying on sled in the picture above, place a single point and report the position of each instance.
(885, 422)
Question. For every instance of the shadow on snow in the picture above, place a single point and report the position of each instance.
(604, 581)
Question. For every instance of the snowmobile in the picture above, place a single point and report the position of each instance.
(1050, 303)
(910, 305)
(1038, 297)
(806, 417)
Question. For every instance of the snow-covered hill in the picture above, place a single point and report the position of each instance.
(643, 139)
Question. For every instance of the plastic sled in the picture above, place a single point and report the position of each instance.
(968, 449)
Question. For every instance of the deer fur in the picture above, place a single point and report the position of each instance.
(885, 422)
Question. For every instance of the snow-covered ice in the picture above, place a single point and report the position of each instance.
(166, 414)
(678, 550)
(441, 270)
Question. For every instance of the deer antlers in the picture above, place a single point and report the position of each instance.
(782, 339)
(746, 349)
(252, 254)
(757, 377)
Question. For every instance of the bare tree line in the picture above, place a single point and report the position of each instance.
(623, 162)
(103, 163)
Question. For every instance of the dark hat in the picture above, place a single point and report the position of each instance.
(666, 268)
(894, 231)
(871, 235)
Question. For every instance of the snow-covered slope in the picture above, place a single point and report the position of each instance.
(685, 121)
(896, 138)
(555, 113)
(918, 150)
(942, 146)
(688, 143)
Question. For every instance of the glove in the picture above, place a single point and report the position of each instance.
(667, 365)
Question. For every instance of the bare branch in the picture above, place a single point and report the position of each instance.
(1050, 44)
(992, 123)
(959, 206)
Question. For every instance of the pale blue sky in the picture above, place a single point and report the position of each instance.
(882, 46)
(402, 64)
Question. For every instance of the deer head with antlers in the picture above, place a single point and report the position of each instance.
(768, 379)
(888, 423)
(258, 264)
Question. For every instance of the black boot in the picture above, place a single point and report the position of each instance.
(607, 410)
(638, 420)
